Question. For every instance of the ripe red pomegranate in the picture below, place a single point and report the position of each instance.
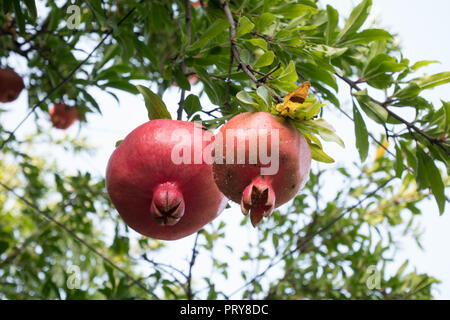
(62, 116)
(11, 84)
(259, 193)
(156, 196)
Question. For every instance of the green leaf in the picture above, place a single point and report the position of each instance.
(261, 43)
(402, 268)
(365, 36)
(420, 64)
(264, 94)
(110, 52)
(31, 5)
(286, 78)
(244, 26)
(265, 60)
(192, 105)
(210, 87)
(434, 80)
(125, 39)
(118, 142)
(154, 104)
(145, 51)
(265, 20)
(3, 246)
(20, 19)
(327, 51)
(418, 84)
(398, 162)
(109, 270)
(361, 134)
(434, 179)
(214, 30)
(421, 172)
(409, 91)
(372, 109)
(96, 7)
(318, 154)
(91, 99)
(247, 100)
(122, 85)
(357, 17)
(291, 11)
(181, 79)
(380, 64)
(446, 107)
(333, 19)
(410, 158)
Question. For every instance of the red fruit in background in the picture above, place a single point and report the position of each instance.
(193, 78)
(155, 196)
(11, 84)
(257, 193)
(197, 4)
(63, 116)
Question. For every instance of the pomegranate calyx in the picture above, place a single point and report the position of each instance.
(167, 206)
(258, 199)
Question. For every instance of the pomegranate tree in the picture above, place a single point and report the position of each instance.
(155, 193)
(11, 84)
(247, 183)
(62, 116)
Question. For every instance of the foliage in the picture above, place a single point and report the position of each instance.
(247, 55)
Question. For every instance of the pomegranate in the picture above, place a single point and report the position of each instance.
(244, 182)
(11, 84)
(63, 116)
(155, 193)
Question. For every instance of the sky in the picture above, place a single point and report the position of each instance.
(422, 27)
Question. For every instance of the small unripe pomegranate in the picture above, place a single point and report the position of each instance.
(62, 116)
(254, 182)
(11, 84)
(157, 193)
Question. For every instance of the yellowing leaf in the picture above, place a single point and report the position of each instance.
(381, 150)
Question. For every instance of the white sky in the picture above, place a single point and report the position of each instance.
(423, 28)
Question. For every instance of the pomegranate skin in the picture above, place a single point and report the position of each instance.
(62, 116)
(140, 173)
(11, 84)
(257, 193)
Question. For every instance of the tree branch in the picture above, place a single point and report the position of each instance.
(409, 125)
(188, 18)
(235, 50)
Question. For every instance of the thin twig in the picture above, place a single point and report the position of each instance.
(190, 295)
(230, 66)
(146, 258)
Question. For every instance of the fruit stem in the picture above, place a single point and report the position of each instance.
(167, 206)
(258, 199)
